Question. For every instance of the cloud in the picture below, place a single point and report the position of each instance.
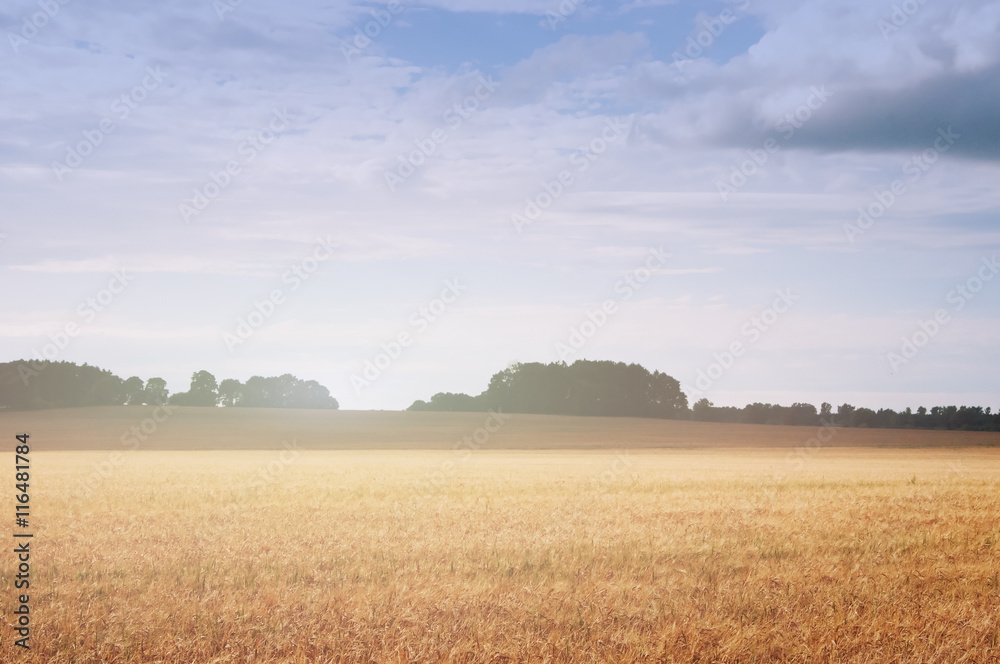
(351, 120)
(691, 270)
(153, 263)
(887, 93)
(870, 119)
(584, 59)
(498, 6)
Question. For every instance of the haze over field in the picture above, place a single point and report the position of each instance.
(260, 188)
(142, 428)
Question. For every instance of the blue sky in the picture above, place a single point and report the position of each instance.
(537, 152)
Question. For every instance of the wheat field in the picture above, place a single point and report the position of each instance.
(842, 555)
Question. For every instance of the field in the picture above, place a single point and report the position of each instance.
(298, 554)
(266, 428)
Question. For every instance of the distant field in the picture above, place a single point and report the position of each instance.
(725, 556)
(245, 428)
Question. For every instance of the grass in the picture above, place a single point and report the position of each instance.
(742, 555)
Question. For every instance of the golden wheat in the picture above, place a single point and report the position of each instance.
(672, 556)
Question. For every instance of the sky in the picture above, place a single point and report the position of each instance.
(768, 200)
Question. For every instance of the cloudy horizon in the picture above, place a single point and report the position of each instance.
(768, 200)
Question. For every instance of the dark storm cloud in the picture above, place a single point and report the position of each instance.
(870, 119)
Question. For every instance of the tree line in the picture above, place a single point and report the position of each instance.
(600, 388)
(616, 389)
(44, 384)
(583, 388)
(963, 418)
(285, 391)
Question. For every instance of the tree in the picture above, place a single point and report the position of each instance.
(26, 385)
(105, 389)
(156, 391)
(134, 392)
(310, 394)
(285, 391)
(582, 388)
(756, 413)
(258, 392)
(864, 418)
(801, 414)
(452, 402)
(230, 392)
(702, 410)
(204, 389)
(665, 396)
(845, 415)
